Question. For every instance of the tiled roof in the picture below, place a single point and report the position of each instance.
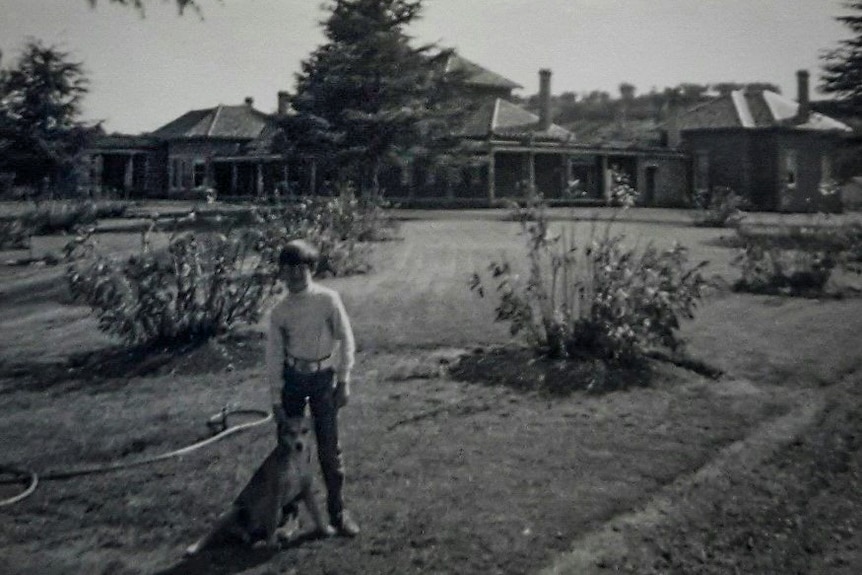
(240, 122)
(762, 109)
(502, 118)
(263, 143)
(476, 75)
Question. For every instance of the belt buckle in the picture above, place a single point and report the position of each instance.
(304, 365)
(308, 366)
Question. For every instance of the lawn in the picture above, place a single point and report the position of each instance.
(446, 473)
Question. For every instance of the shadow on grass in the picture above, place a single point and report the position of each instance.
(229, 559)
(521, 369)
(222, 561)
(804, 286)
(111, 368)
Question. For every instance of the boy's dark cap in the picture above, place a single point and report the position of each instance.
(298, 252)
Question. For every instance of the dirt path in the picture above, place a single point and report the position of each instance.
(786, 499)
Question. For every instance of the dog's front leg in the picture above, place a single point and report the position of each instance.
(270, 524)
(288, 524)
(321, 526)
(224, 523)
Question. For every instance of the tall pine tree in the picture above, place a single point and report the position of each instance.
(371, 97)
(842, 70)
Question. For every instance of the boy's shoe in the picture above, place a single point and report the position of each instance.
(345, 526)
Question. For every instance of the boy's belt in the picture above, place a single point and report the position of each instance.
(307, 365)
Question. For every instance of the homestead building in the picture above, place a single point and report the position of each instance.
(771, 150)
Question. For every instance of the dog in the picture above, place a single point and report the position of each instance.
(271, 496)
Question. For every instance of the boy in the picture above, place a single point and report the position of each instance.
(306, 328)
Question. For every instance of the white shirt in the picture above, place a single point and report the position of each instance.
(308, 325)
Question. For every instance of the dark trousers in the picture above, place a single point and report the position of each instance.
(318, 391)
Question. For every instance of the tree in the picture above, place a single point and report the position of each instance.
(40, 102)
(138, 5)
(842, 69)
(368, 96)
(627, 91)
(725, 88)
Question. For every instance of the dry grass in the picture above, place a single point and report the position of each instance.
(444, 476)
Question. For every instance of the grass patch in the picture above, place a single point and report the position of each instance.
(447, 470)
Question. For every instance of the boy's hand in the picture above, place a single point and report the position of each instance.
(342, 394)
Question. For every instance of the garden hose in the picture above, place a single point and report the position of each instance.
(218, 424)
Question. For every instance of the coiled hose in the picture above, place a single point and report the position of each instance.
(218, 424)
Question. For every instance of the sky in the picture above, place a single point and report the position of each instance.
(146, 71)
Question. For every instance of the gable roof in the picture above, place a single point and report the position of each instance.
(499, 117)
(234, 122)
(751, 110)
(476, 75)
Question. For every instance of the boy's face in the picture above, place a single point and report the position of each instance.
(296, 276)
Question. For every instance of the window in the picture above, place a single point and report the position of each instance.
(187, 174)
(828, 186)
(789, 173)
(176, 173)
(95, 169)
(701, 170)
(200, 173)
(406, 173)
(431, 176)
(825, 168)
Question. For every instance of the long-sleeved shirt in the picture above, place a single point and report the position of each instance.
(308, 325)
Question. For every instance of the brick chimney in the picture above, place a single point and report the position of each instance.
(283, 103)
(627, 96)
(544, 99)
(249, 101)
(802, 96)
(672, 113)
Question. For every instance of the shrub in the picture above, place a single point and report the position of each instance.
(718, 208)
(363, 220)
(65, 217)
(199, 288)
(852, 236)
(622, 193)
(341, 228)
(110, 209)
(13, 235)
(207, 282)
(767, 268)
(603, 300)
(58, 218)
(797, 259)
